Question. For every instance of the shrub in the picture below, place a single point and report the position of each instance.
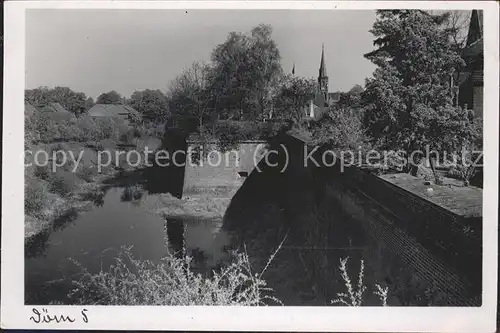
(105, 128)
(46, 127)
(63, 182)
(35, 197)
(129, 136)
(170, 282)
(42, 171)
(354, 293)
(87, 172)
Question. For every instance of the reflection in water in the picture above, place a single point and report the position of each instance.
(94, 238)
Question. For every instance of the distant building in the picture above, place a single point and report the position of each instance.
(57, 112)
(322, 99)
(123, 113)
(471, 86)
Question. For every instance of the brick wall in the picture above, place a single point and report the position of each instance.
(442, 238)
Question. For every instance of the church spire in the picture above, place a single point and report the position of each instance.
(323, 77)
(293, 69)
(322, 66)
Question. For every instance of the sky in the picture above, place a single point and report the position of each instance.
(95, 51)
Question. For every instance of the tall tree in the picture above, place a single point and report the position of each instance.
(411, 85)
(110, 97)
(193, 97)
(151, 104)
(72, 101)
(89, 103)
(246, 69)
(294, 93)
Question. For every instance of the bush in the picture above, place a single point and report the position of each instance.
(129, 136)
(170, 282)
(42, 171)
(105, 128)
(63, 182)
(35, 197)
(47, 128)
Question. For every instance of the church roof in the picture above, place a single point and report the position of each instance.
(475, 27)
(322, 66)
(474, 46)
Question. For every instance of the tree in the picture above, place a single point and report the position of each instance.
(456, 25)
(246, 69)
(340, 129)
(293, 95)
(111, 97)
(151, 104)
(89, 103)
(38, 97)
(408, 102)
(72, 101)
(351, 100)
(193, 98)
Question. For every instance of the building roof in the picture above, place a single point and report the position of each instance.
(55, 107)
(57, 112)
(475, 27)
(112, 110)
(474, 46)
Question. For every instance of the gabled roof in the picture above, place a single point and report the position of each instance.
(474, 46)
(57, 112)
(475, 27)
(55, 107)
(112, 110)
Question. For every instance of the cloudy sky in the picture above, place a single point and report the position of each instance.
(95, 51)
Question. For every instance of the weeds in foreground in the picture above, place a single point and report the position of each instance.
(170, 282)
(354, 294)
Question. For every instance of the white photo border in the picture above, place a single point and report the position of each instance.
(15, 315)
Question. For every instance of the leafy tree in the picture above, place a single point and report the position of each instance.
(408, 102)
(340, 129)
(151, 104)
(351, 100)
(246, 68)
(192, 98)
(72, 101)
(89, 103)
(293, 95)
(111, 97)
(38, 97)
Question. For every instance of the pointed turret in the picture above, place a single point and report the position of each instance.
(322, 66)
(323, 77)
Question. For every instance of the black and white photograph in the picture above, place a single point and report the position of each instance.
(254, 157)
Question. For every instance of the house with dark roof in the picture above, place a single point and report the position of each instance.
(57, 112)
(122, 113)
(470, 92)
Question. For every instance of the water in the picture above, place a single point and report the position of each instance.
(94, 238)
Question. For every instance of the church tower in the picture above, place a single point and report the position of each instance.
(323, 77)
